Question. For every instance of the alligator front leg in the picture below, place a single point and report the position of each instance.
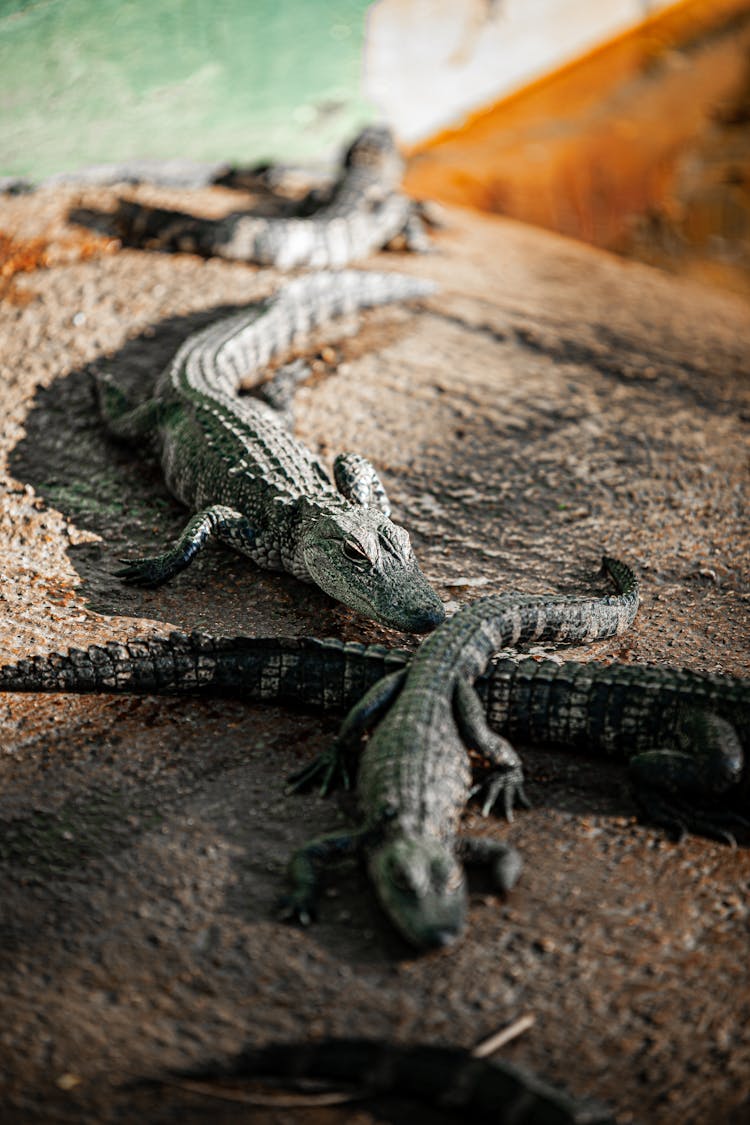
(300, 904)
(357, 481)
(216, 522)
(682, 788)
(504, 859)
(506, 780)
(414, 234)
(333, 765)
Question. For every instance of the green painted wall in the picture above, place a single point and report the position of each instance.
(94, 81)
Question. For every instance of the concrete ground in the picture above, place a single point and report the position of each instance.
(551, 403)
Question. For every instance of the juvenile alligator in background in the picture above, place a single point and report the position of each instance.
(449, 1078)
(253, 485)
(364, 213)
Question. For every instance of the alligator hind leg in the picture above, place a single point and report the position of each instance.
(506, 780)
(278, 392)
(334, 763)
(682, 788)
(300, 904)
(216, 522)
(124, 420)
(357, 480)
(505, 861)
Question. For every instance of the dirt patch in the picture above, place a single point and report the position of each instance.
(549, 404)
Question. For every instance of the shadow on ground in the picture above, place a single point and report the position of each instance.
(118, 493)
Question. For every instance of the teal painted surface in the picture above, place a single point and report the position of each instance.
(94, 81)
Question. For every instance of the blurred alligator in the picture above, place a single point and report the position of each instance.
(363, 213)
(256, 488)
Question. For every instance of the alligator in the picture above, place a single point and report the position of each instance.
(364, 213)
(256, 488)
(449, 1078)
(414, 774)
(681, 732)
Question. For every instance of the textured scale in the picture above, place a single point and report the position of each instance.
(416, 761)
(254, 486)
(306, 672)
(617, 710)
(414, 777)
(610, 709)
(250, 447)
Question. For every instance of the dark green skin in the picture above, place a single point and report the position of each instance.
(414, 775)
(252, 486)
(621, 710)
(684, 734)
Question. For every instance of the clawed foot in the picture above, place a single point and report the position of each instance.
(679, 818)
(151, 571)
(329, 768)
(506, 783)
(299, 909)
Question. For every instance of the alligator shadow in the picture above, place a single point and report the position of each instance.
(118, 494)
(224, 784)
(144, 226)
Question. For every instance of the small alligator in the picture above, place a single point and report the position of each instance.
(364, 213)
(414, 775)
(254, 487)
(449, 1078)
(682, 732)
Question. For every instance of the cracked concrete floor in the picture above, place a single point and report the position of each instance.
(552, 402)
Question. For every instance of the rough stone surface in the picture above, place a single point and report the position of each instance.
(550, 404)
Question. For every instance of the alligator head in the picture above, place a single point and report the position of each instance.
(422, 889)
(358, 556)
(375, 147)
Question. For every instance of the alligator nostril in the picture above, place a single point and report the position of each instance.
(428, 620)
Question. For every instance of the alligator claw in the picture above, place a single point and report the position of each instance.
(330, 764)
(143, 572)
(505, 783)
(296, 909)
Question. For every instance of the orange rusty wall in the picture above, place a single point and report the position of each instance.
(642, 147)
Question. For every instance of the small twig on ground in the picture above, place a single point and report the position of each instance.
(273, 1101)
(511, 1031)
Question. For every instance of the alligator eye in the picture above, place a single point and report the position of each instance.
(353, 552)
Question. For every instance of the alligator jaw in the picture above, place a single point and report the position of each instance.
(414, 607)
(358, 556)
(424, 620)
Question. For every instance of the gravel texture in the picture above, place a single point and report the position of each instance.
(551, 403)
